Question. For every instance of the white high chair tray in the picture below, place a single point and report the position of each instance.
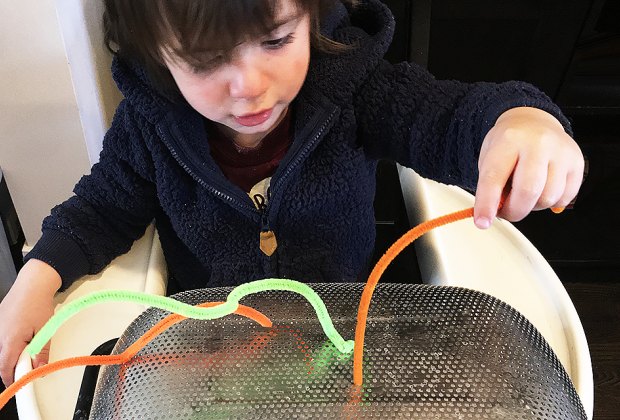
(503, 263)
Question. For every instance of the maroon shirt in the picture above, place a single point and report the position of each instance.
(247, 167)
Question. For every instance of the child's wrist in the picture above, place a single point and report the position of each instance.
(529, 114)
(44, 277)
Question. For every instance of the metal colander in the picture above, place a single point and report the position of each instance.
(431, 352)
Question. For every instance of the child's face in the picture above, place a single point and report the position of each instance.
(248, 92)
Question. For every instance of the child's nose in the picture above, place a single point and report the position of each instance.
(247, 82)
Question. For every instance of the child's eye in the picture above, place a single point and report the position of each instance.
(274, 44)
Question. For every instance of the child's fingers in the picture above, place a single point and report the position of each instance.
(8, 359)
(573, 184)
(495, 171)
(553, 190)
(43, 357)
(528, 183)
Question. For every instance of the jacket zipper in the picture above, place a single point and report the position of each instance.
(299, 158)
(240, 205)
(267, 240)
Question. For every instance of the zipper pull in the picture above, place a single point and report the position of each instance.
(268, 242)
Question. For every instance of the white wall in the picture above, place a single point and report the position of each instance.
(50, 132)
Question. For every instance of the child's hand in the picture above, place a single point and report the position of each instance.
(24, 310)
(529, 156)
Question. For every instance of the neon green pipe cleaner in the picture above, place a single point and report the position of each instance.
(189, 311)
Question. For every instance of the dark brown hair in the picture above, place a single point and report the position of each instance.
(139, 30)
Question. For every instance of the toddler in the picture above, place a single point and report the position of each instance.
(250, 132)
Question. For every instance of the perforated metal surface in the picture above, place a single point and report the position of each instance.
(431, 353)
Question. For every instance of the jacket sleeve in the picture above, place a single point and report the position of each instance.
(437, 127)
(110, 209)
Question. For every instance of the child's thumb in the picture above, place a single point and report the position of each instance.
(42, 358)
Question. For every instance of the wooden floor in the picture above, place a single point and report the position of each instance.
(598, 305)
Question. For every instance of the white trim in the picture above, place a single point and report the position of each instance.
(80, 26)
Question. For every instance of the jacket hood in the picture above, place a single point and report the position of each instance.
(367, 28)
(369, 22)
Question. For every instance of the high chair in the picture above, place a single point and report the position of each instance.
(499, 262)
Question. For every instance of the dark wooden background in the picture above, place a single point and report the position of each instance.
(570, 49)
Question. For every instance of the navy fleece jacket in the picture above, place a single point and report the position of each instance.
(353, 109)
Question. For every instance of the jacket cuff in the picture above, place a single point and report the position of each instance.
(63, 254)
(521, 94)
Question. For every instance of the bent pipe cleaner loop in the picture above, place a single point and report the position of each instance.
(306, 291)
(161, 302)
(125, 356)
(209, 310)
(189, 311)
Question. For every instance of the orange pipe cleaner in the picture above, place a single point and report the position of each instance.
(375, 275)
(125, 356)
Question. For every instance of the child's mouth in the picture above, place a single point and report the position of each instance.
(251, 120)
